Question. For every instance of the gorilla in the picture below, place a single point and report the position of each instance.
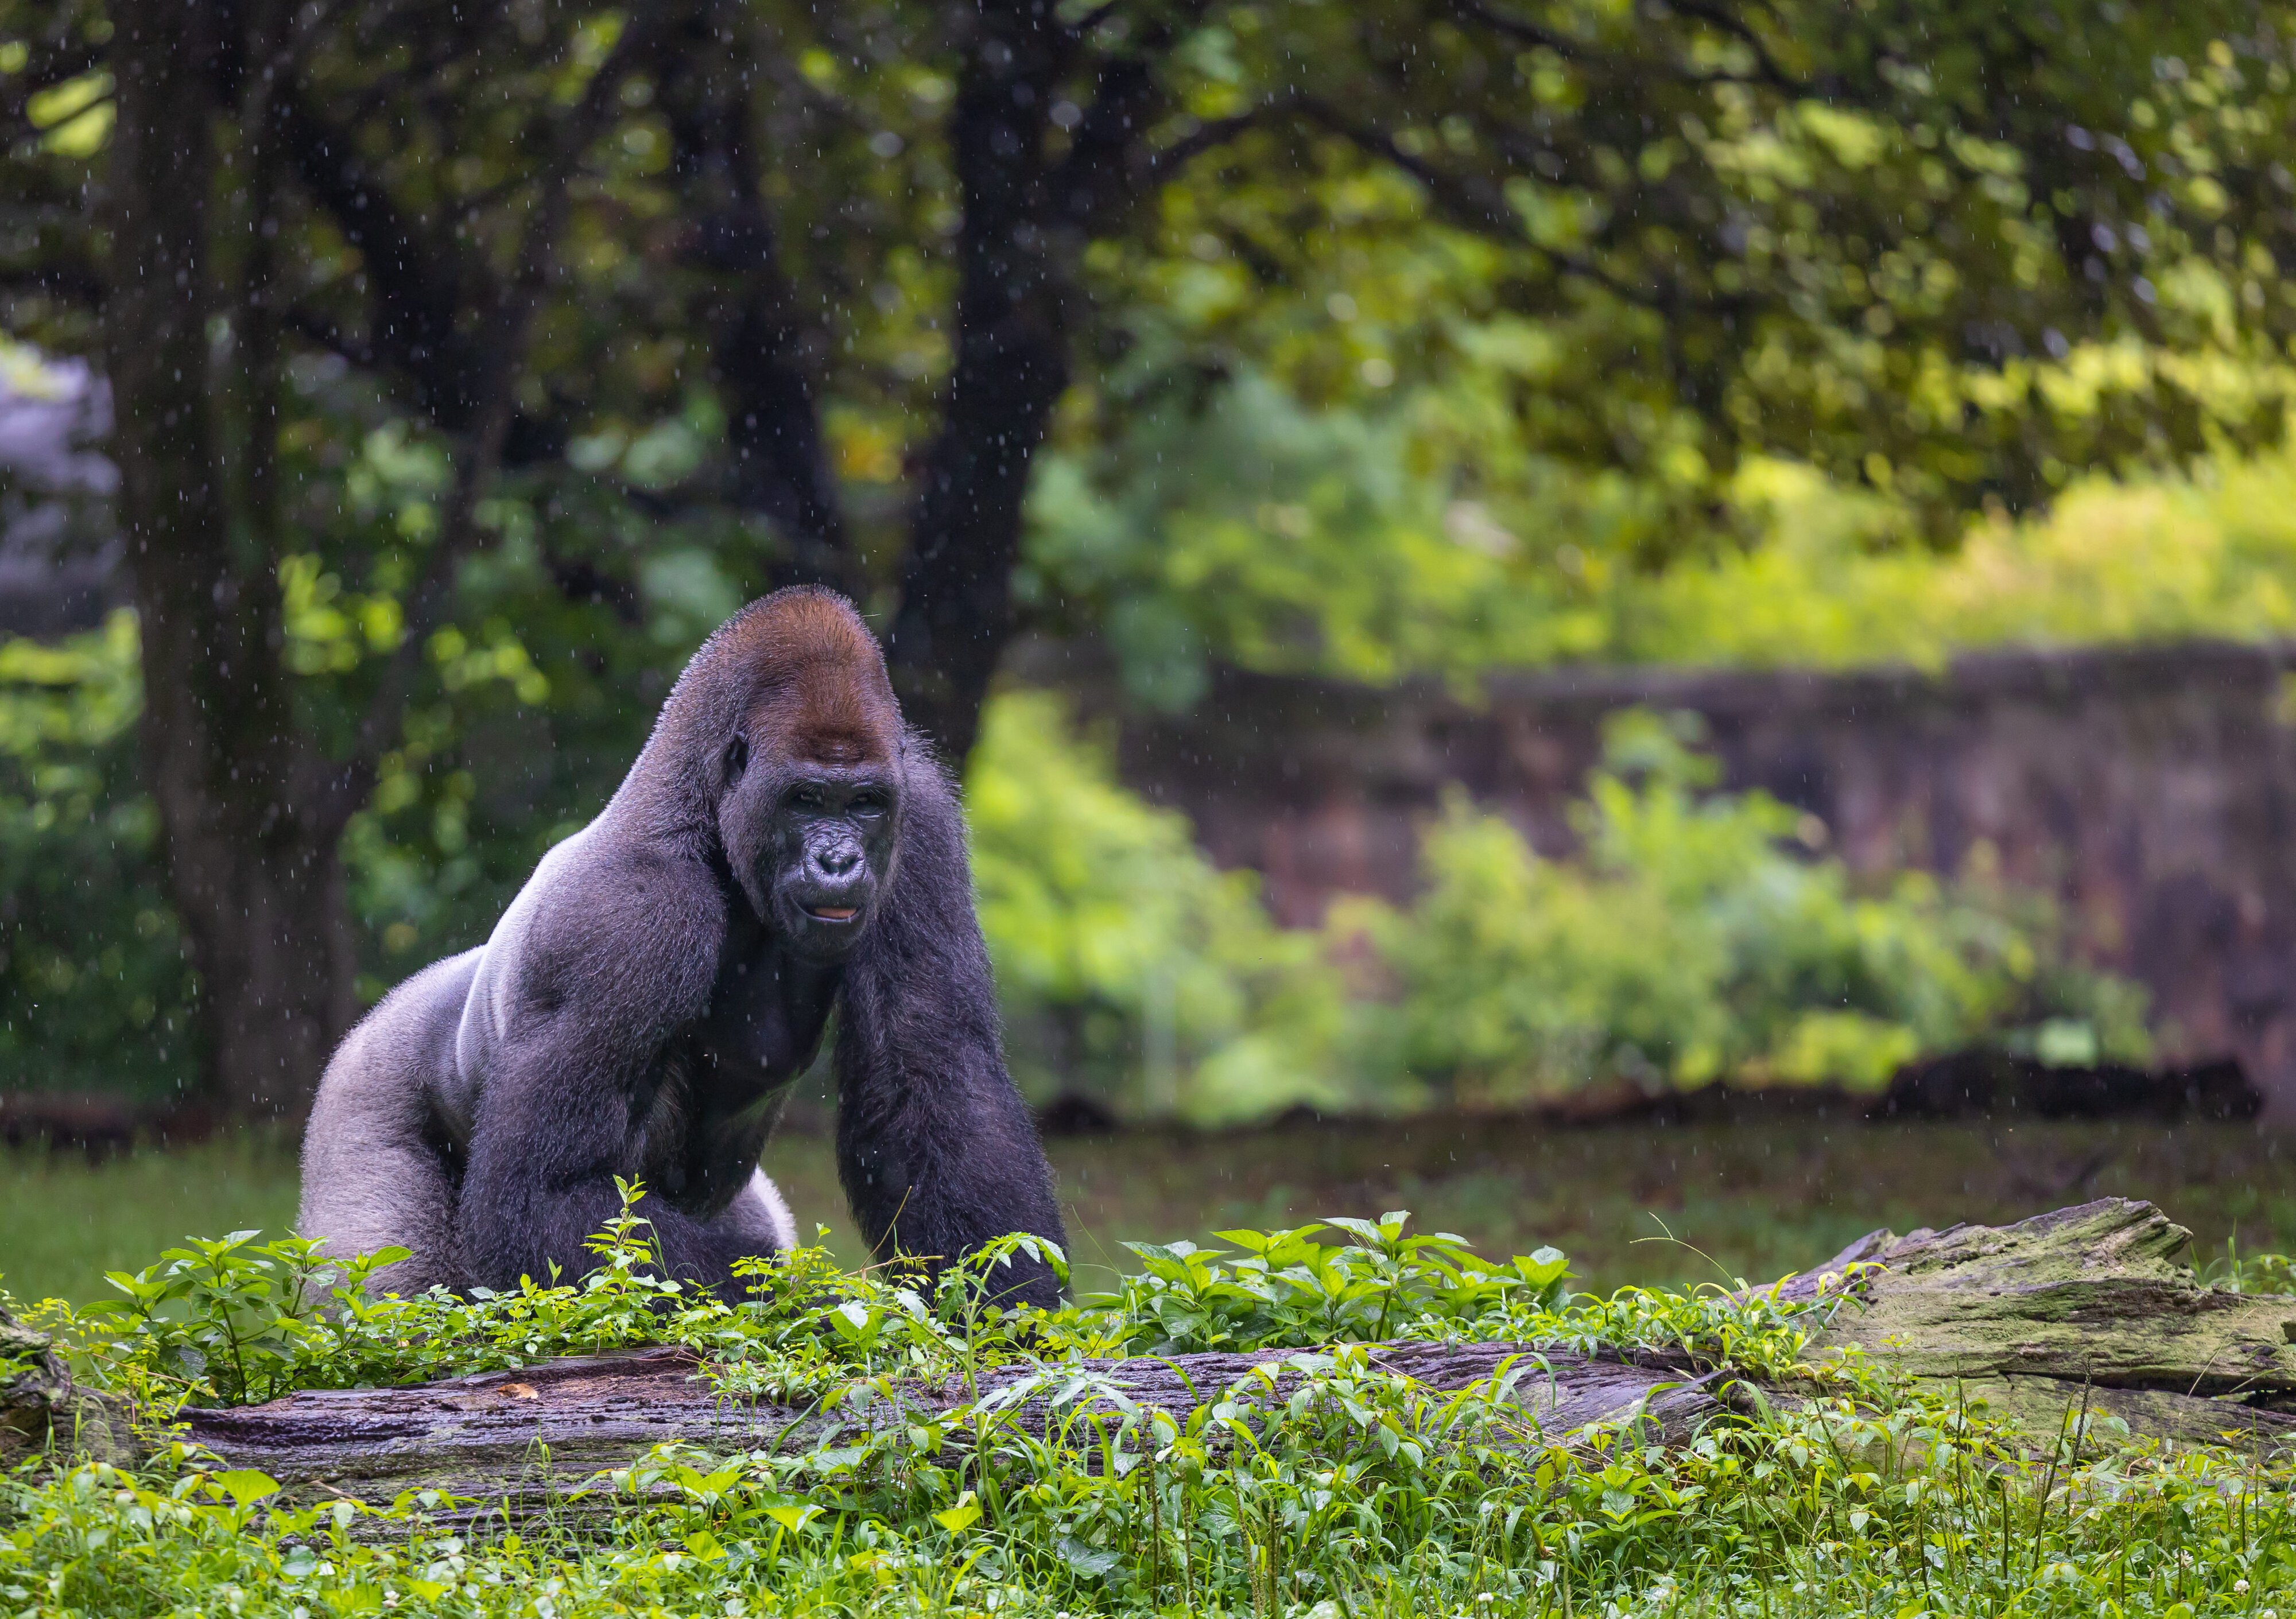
(782, 847)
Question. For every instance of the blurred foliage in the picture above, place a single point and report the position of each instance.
(1244, 526)
(1694, 941)
(1248, 527)
(2154, 559)
(1595, 255)
(1697, 939)
(1132, 969)
(1699, 936)
(95, 988)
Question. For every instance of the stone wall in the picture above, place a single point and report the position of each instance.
(2154, 790)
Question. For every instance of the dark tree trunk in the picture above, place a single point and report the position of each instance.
(253, 877)
(767, 360)
(955, 613)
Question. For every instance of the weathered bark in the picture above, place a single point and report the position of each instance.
(2086, 1304)
(43, 1411)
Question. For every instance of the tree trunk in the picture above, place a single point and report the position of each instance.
(251, 870)
(268, 943)
(2087, 1307)
(955, 613)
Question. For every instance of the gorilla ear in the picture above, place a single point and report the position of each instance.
(737, 759)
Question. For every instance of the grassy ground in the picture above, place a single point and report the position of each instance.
(1759, 1198)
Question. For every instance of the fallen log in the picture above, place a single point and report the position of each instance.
(41, 1407)
(548, 1429)
(2090, 1306)
(2095, 1302)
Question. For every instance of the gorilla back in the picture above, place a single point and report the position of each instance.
(783, 846)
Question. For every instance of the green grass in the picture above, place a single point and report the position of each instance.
(1759, 1198)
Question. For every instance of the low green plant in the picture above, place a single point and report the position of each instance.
(1315, 1484)
(1287, 1290)
(2237, 1273)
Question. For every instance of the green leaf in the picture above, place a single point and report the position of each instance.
(1092, 1562)
(245, 1486)
(960, 1517)
(794, 1518)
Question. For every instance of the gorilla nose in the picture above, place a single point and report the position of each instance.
(837, 861)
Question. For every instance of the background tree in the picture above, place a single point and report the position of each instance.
(809, 286)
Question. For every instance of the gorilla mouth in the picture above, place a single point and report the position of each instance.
(833, 913)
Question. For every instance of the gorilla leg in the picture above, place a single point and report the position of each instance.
(758, 1219)
(375, 1174)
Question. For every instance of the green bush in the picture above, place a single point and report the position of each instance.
(1131, 967)
(2153, 560)
(1699, 937)
(1251, 521)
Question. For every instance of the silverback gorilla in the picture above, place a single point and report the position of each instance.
(782, 846)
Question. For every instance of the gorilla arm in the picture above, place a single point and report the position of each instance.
(936, 1149)
(567, 1020)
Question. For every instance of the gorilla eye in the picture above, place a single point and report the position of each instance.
(868, 804)
(737, 759)
(807, 796)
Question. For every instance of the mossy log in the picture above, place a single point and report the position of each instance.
(42, 1410)
(2095, 1302)
(2092, 1304)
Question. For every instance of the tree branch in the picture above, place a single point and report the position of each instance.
(1523, 31)
(1770, 72)
(1480, 207)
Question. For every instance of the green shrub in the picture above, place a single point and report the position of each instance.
(1347, 1489)
(1830, 582)
(1699, 937)
(1130, 967)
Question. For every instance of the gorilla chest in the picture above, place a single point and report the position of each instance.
(764, 1025)
(707, 1104)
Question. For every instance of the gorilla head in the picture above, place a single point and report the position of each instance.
(810, 797)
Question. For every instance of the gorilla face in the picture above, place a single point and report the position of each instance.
(811, 843)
